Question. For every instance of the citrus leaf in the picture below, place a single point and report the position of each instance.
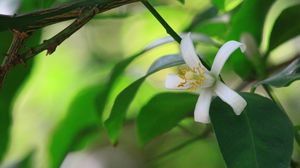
(254, 12)
(181, 1)
(226, 5)
(201, 17)
(120, 67)
(274, 17)
(285, 77)
(9, 91)
(81, 119)
(115, 121)
(12, 83)
(262, 136)
(284, 29)
(162, 113)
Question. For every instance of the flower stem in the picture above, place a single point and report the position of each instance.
(168, 28)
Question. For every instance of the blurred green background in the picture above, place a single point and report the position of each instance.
(56, 99)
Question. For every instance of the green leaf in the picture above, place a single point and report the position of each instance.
(274, 17)
(285, 29)
(81, 120)
(165, 62)
(226, 5)
(181, 1)
(262, 136)
(120, 67)
(249, 18)
(162, 113)
(297, 136)
(285, 77)
(27, 161)
(115, 121)
(201, 17)
(12, 84)
(213, 29)
(117, 71)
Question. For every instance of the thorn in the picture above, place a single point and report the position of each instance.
(51, 49)
(31, 50)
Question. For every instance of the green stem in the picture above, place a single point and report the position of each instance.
(161, 20)
(270, 93)
(167, 27)
(203, 135)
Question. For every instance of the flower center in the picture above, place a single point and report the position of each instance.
(193, 78)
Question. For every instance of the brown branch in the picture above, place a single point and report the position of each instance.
(22, 25)
(42, 18)
(12, 56)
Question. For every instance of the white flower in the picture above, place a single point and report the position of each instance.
(194, 76)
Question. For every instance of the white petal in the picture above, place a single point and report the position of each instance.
(188, 52)
(173, 81)
(231, 97)
(201, 113)
(209, 80)
(223, 54)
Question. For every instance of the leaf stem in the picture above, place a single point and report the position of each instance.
(162, 21)
(204, 134)
(270, 93)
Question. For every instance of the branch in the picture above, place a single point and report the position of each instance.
(42, 18)
(25, 24)
(51, 44)
(206, 132)
(12, 56)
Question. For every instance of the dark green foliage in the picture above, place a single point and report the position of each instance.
(81, 120)
(262, 136)
(163, 112)
(285, 77)
(118, 113)
(284, 29)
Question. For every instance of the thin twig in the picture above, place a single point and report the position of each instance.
(185, 130)
(271, 94)
(12, 56)
(49, 45)
(162, 21)
(203, 135)
(168, 28)
(42, 18)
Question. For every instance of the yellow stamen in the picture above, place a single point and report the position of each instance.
(194, 77)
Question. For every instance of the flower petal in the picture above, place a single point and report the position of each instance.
(223, 54)
(208, 81)
(173, 82)
(188, 52)
(237, 102)
(201, 113)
